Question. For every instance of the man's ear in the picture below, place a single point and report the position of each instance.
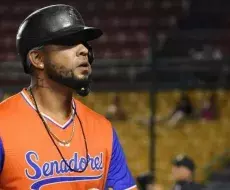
(36, 58)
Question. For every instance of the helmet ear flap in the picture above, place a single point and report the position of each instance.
(90, 54)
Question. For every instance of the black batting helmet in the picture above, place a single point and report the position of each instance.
(55, 24)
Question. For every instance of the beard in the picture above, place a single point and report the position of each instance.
(66, 77)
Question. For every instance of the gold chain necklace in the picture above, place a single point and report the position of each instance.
(61, 142)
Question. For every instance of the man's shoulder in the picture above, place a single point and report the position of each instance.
(194, 186)
(89, 113)
(185, 185)
(10, 105)
(198, 185)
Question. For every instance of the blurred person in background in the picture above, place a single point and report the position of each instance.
(183, 110)
(146, 182)
(115, 110)
(183, 172)
(209, 109)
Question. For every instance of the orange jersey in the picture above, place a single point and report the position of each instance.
(30, 160)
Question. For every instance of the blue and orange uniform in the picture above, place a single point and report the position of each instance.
(29, 159)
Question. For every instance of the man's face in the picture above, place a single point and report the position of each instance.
(181, 173)
(67, 63)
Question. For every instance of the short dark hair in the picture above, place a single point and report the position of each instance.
(184, 160)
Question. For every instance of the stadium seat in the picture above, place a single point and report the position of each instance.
(121, 21)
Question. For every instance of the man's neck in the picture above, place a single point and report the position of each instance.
(52, 99)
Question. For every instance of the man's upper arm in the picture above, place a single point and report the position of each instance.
(2, 155)
(119, 176)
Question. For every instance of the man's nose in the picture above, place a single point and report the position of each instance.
(83, 50)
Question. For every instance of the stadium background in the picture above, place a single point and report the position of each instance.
(151, 51)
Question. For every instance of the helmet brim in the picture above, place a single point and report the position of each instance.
(90, 33)
(71, 36)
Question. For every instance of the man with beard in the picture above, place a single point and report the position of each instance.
(49, 140)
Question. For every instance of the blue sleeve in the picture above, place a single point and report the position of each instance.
(119, 177)
(2, 155)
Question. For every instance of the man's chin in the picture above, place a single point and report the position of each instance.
(81, 77)
(79, 74)
(83, 80)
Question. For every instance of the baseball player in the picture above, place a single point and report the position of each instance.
(48, 139)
